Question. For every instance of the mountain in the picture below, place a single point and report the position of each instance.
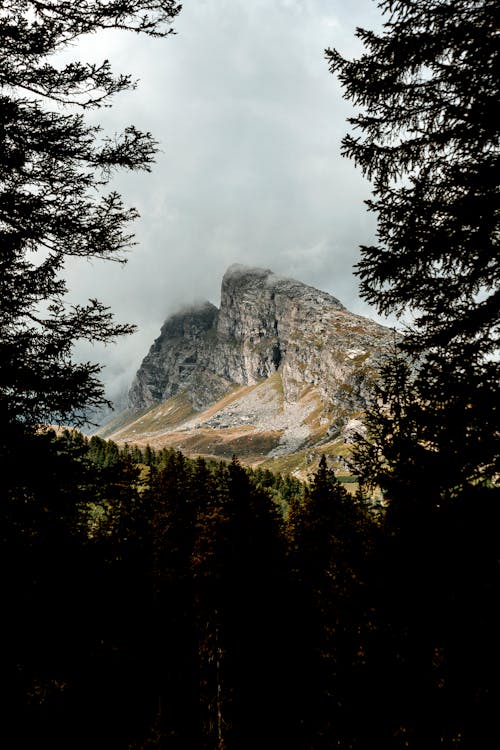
(278, 374)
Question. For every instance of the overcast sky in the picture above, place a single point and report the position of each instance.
(250, 121)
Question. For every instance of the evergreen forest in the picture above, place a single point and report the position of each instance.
(156, 601)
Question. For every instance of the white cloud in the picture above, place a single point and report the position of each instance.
(250, 123)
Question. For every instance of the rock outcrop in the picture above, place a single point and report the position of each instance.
(278, 375)
(266, 323)
(177, 357)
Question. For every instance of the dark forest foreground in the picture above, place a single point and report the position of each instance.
(153, 601)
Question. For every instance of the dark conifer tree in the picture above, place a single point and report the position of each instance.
(428, 89)
(50, 600)
(173, 532)
(54, 167)
(239, 568)
(427, 137)
(330, 539)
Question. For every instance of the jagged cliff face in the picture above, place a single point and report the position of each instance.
(176, 358)
(265, 323)
(278, 375)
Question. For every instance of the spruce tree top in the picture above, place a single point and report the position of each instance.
(427, 136)
(54, 168)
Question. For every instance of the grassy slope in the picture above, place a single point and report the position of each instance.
(176, 424)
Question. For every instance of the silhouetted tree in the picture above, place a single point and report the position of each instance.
(173, 533)
(330, 542)
(428, 139)
(238, 563)
(54, 167)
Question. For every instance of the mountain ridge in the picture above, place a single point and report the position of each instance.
(280, 365)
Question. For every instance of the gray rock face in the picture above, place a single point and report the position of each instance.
(265, 323)
(176, 357)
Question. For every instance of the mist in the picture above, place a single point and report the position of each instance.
(249, 122)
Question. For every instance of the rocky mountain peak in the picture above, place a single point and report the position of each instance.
(279, 373)
(175, 356)
(254, 285)
(265, 323)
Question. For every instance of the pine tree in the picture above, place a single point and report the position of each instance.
(428, 89)
(330, 538)
(54, 205)
(238, 564)
(54, 168)
(428, 139)
(174, 677)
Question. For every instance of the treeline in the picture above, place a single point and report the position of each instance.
(157, 602)
(106, 454)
